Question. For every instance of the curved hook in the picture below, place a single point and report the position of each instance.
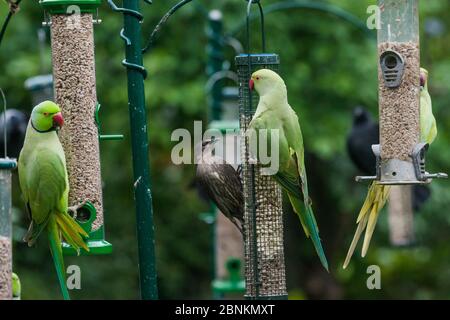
(263, 31)
(319, 6)
(220, 75)
(130, 12)
(8, 18)
(234, 43)
(162, 22)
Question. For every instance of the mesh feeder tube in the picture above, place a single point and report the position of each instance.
(265, 273)
(6, 165)
(72, 38)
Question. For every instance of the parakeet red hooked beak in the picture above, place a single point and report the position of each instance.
(58, 120)
(251, 84)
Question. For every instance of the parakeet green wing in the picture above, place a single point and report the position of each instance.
(44, 185)
(294, 179)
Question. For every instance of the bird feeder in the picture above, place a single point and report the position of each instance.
(400, 156)
(6, 166)
(265, 274)
(72, 38)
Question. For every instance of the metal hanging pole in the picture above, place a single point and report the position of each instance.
(141, 165)
(215, 55)
(141, 168)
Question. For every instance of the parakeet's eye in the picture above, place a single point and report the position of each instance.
(46, 114)
(257, 78)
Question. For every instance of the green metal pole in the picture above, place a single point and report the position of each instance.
(141, 166)
(214, 51)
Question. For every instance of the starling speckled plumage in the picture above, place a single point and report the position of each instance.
(221, 183)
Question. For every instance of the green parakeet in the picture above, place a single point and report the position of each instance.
(16, 287)
(45, 187)
(378, 194)
(275, 113)
(428, 128)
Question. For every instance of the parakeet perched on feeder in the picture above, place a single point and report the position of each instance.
(221, 183)
(378, 194)
(275, 113)
(45, 187)
(16, 287)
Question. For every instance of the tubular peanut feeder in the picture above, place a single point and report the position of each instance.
(400, 154)
(72, 37)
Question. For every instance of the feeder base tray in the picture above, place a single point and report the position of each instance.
(96, 247)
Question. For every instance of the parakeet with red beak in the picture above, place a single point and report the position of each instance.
(378, 194)
(275, 113)
(45, 187)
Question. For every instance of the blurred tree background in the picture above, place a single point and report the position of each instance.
(329, 67)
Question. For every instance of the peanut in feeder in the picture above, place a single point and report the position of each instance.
(75, 91)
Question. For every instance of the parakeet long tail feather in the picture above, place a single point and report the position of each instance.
(382, 194)
(359, 231)
(367, 218)
(56, 250)
(71, 231)
(309, 224)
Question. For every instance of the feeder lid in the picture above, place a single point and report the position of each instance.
(258, 59)
(61, 6)
(6, 163)
(39, 82)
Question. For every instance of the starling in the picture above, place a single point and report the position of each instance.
(221, 183)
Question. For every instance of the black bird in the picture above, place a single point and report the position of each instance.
(364, 133)
(16, 126)
(221, 183)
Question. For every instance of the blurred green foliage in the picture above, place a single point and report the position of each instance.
(329, 67)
